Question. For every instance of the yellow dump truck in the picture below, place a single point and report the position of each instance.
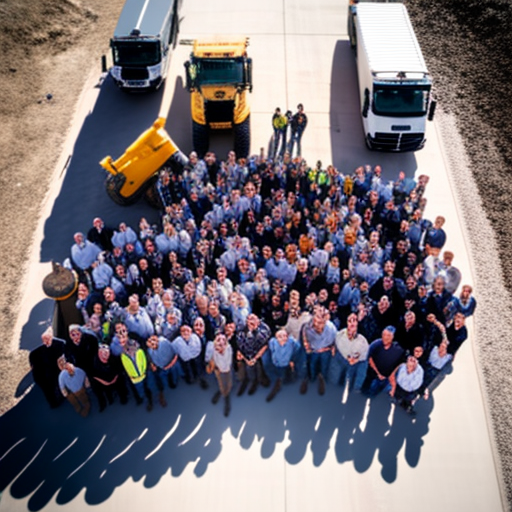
(136, 170)
(219, 78)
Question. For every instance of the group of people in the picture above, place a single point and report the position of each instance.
(288, 130)
(270, 269)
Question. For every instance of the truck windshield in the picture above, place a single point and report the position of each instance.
(216, 71)
(400, 101)
(136, 53)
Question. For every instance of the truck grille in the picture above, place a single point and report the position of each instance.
(134, 73)
(397, 141)
(219, 111)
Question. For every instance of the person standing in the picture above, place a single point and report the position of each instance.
(219, 358)
(384, 356)
(352, 353)
(280, 125)
(283, 349)
(73, 383)
(252, 342)
(107, 378)
(45, 369)
(135, 364)
(406, 382)
(298, 125)
(318, 337)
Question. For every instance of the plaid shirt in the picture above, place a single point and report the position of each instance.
(251, 342)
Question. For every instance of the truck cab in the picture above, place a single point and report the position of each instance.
(142, 43)
(219, 78)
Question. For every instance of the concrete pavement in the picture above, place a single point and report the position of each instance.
(297, 453)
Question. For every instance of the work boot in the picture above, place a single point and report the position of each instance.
(161, 399)
(275, 390)
(265, 381)
(254, 387)
(216, 397)
(304, 387)
(243, 387)
(321, 384)
(227, 405)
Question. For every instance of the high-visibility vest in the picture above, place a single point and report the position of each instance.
(136, 370)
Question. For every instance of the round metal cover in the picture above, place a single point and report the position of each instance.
(61, 283)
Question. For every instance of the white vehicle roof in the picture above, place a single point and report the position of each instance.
(387, 35)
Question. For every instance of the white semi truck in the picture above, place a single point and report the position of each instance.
(395, 87)
(146, 33)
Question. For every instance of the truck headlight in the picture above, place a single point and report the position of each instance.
(115, 71)
(155, 71)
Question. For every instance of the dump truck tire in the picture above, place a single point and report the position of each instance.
(200, 138)
(243, 138)
(113, 185)
(151, 195)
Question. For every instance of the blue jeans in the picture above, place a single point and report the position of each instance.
(318, 362)
(170, 375)
(143, 389)
(353, 373)
(374, 386)
(295, 139)
(279, 142)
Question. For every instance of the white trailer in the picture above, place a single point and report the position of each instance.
(395, 87)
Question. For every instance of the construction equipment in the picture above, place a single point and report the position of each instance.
(219, 77)
(136, 170)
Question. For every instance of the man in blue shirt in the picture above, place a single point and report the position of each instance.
(384, 355)
(318, 337)
(283, 348)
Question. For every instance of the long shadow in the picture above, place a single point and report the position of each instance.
(66, 454)
(347, 138)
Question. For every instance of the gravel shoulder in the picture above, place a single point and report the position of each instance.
(466, 44)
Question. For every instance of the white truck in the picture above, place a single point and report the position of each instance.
(146, 33)
(395, 87)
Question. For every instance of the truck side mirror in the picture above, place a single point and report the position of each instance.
(189, 82)
(366, 104)
(248, 79)
(432, 109)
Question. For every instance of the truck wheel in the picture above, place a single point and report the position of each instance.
(151, 195)
(243, 138)
(200, 138)
(113, 185)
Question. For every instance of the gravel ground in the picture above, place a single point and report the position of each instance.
(47, 45)
(466, 44)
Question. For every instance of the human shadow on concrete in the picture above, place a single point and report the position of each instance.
(347, 137)
(65, 454)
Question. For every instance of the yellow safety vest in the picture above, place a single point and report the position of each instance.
(135, 370)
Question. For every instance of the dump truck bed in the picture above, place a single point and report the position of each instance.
(205, 48)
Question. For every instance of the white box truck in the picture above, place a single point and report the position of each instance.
(146, 33)
(395, 87)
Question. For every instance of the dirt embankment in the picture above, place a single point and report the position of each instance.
(467, 45)
(46, 48)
